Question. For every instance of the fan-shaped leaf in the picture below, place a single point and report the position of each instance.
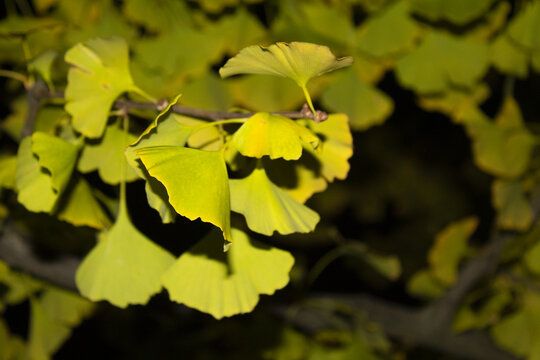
(364, 104)
(449, 248)
(125, 266)
(272, 135)
(297, 61)
(225, 284)
(107, 156)
(34, 184)
(524, 28)
(57, 156)
(267, 208)
(99, 74)
(514, 209)
(196, 181)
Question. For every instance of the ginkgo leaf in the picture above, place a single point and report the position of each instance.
(46, 333)
(523, 29)
(42, 65)
(518, 331)
(459, 12)
(514, 209)
(8, 168)
(299, 179)
(509, 58)
(267, 208)
(424, 284)
(441, 60)
(272, 135)
(169, 131)
(107, 156)
(502, 147)
(298, 61)
(364, 104)
(389, 31)
(99, 74)
(217, 95)
(125, 267)
(65, 307)
(449, 248)
(336, 148)
(208, 138)
(241, 29)
(196, 181)
(80, 208)
(56, 155)
(225, 284)
(34, 184)
(531, 259)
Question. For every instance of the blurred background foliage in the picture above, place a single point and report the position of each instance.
(443, 101)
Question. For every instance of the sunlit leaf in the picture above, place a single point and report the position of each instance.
(441, 60)
(196, 181)
(459, 12)
(272, 135)
(297, 61)
(267, 208)
(524, 28)
(514, 209)
(518, 332)
(57, 156)
(107, 156)
(365, 105)
(336, 147)
(298, 179)
(388, 32)
(125, 266)
(170, 131)
(34, 185)
(263, 93)
(80, 208)
(225, 284)
(449, 248)
(99, 74)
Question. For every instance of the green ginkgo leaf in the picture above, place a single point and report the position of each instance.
(99, 74)
(125, 267)
(388, 32)
(226, 284)
(8, 168)
(502, 147)
(443, 60)
(298, 61)
(196, 181)
(337, 147)
(169, 131)
(449, 248)
(56, 155)
(43, 64)
(80, 208)
(363, 103)
(46, 333)
(34, 185)
(524, 29)
(459, 12)
(509, 58)
(107, 156)
(272, 135)
(518, 331)
(513, 207)
(267, 208)
(65, 306)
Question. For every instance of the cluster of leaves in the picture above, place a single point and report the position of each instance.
(264, 167)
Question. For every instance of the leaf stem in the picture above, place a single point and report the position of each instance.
(14, 75)
(144, 94)
(308, 99)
